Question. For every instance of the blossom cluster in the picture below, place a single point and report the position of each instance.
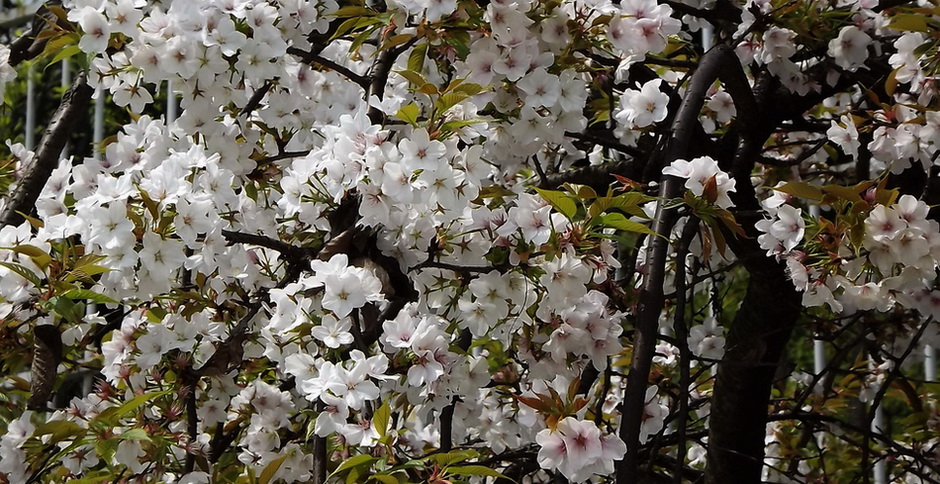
(343, 225)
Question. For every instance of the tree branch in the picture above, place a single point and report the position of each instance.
(651, 299)
(255, 99)
(73, 106)
(379, 76)
(312, 58)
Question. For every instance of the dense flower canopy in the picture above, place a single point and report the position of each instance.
(450, 240)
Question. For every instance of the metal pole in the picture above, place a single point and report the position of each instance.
(98, 135)
(880, 472)
(930, 363)
(30, 109)
(708, 35)
(170, 103)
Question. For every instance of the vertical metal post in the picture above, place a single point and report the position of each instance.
(930, 363)
(879, 472)
(819, 359)
(708, 36)
(30, 140)
(170, 103)
(98, 134)
(819, 346)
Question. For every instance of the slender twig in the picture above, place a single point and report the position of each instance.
(311, 58)
(607, 140)
(432, 264)
(192, 423)
(255, 99)
(879, 396)
(682, 338)
(659, 61)
(282, 156)
(543, 180)
(885, 440)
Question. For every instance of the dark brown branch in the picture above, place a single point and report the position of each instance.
(888, 4)
(284, 155)
(595, 176)
(379, 76)
(311, 58)
(432, 264)
(255, 99)
(192, 424)
(266, 242)
(72, 108)
(651, 299)
(30, 45)
(690, 10)
(659, 61)
(606, 139)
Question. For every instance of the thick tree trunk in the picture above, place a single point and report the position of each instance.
(755, 343)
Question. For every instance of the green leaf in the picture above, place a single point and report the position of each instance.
(384, 478)
(395, 40)
(850, 194)
(152, 206)
(59, 43)
(135, 434)
(381, 419)
(354, 11)
(450, 100)
(67, 309)
(363, 36)
(37, 255)
(344, 28)
(628, 202)
(23, 272)
(409, 114)
(909, 22)
(561, 201)
(65, 53)
(453, 457)
(268, 473)
(414, 77)
(460, 40)
(109, 417)
(85, 273)
(89, 295)
(620, 222)
(59, 430)
(451, 126)
(416, 57)
(354, 461)
(469, 88)
(475, 470)
(802, 190)
(429, 89)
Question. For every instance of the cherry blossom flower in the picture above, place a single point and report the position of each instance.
(698, 172)
(644, 107)
(576, 448)
(97, 31)
(333, 332)
(850, 48)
